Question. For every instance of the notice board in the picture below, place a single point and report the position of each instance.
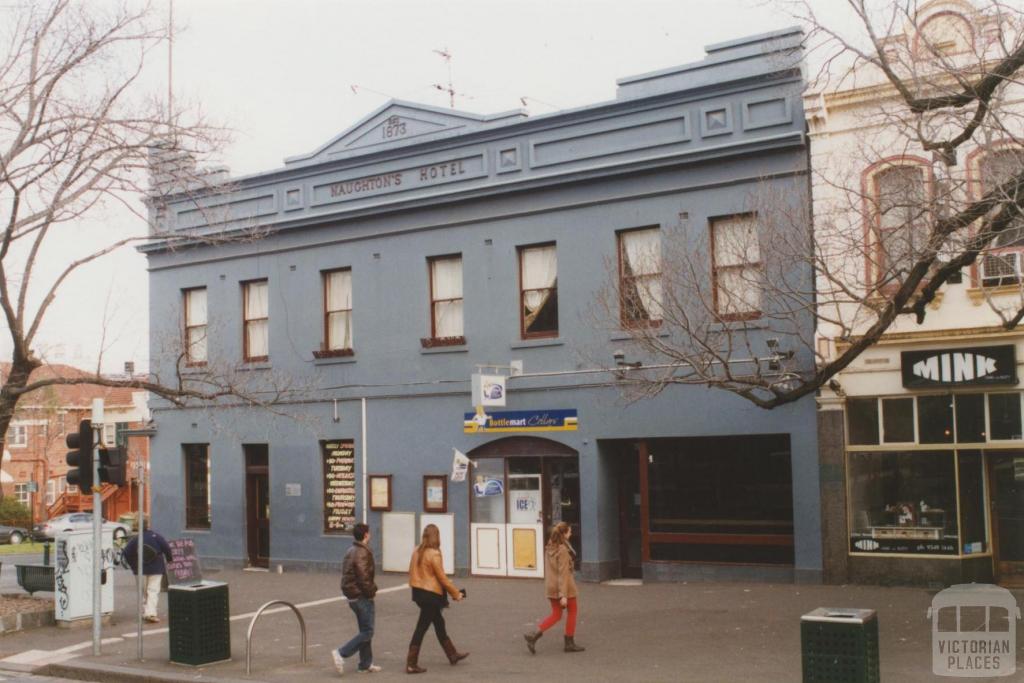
(184, 565)
(339, 458)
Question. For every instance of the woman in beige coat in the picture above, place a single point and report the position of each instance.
(559, 586)
(430, 590)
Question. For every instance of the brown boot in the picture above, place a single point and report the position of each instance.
(571, 646)
(531, 640)
(454, 656)
(411, 661)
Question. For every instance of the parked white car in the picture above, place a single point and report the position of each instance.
(75, 521)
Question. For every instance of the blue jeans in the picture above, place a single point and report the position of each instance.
(363, 607)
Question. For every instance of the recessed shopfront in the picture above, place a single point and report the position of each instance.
(519, 488)
(705, 500)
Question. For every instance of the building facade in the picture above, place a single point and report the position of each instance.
(422, 246)
(921, 440)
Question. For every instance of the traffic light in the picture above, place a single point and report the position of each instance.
(80, 457)
(113, 466)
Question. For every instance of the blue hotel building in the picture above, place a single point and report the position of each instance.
(424, 245)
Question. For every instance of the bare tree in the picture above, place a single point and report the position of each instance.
(784, 307)
(79, 133)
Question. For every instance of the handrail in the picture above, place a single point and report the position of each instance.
(252, 624)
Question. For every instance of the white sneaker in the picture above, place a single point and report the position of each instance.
(372, 669)
(339, 662)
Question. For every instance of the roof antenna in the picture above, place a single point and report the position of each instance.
(447, 57)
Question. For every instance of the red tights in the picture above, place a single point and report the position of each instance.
(556, 615)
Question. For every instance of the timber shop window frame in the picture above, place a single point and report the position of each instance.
(538, 291)
(256, 321)
(197, 486)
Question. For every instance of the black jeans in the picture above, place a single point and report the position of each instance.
(430, 606)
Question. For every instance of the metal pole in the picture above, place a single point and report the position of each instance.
(97, 515)
(363, 493)
(139, 578)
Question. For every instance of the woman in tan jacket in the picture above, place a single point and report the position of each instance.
(559, 586)
(430, 591)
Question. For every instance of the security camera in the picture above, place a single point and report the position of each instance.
(618, 356)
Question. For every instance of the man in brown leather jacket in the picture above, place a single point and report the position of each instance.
(357, 585)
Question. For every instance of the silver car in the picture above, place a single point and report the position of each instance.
(75, 521)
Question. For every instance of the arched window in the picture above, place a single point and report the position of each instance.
(1002, 264)
(899, 196)
(945, 33)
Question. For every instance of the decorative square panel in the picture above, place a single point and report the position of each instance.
(508, 160)
(715, 120)
(293, 199)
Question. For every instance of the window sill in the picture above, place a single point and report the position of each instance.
(248, 366)
(186, 530)
(333, 360)
(640, 332)
(535, 343)
(444, 349)
(977, 295)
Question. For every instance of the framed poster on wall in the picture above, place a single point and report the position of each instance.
(435, 493)
(380, 492)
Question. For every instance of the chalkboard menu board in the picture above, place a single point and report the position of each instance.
(339, 486)
(184, 565)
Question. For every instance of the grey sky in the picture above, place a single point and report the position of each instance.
(281, 76)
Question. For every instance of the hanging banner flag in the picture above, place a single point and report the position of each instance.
(460, 465)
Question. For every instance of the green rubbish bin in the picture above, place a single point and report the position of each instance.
(840, 646)
(199, 623)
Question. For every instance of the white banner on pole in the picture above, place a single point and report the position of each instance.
(460, 465)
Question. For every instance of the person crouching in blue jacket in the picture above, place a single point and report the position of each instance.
(155, 551)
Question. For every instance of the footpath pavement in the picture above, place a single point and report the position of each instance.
(683, 632)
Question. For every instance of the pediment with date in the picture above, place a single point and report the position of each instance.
(399, 123)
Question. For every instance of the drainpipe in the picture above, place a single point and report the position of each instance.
(363, 439)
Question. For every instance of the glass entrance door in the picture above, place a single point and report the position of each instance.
(525, 529)
(1006, 477)
(487, 518)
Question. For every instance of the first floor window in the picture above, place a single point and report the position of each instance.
(17, 436)
(640, 276)
(906, 502)
(736, 267)
(195, 325)
(538, 291)
(109, 434)
(446, 297)
(256, 320)
(901, 219)
(197, 486)
(338, 310)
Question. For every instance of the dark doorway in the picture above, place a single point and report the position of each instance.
(630, 527)
(257, 504)
(1006, 480)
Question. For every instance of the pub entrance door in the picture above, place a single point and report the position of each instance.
(257, 504)
(1006, 484)
(515, 497)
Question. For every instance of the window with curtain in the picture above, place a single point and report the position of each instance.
(995, 168)
(640, 276)
(338, 310)
(195, 325)
(446, 297)
(256, 320)
(538, 278)
(900, 202)
(737, 272)
(197, 486)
